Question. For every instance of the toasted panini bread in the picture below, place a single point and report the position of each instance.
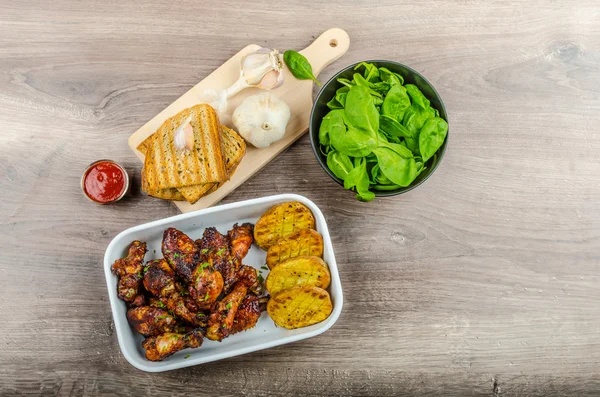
(235, 148)
(169, 167)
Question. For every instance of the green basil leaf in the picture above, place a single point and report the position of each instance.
(396, 103)
(417, 96)
(339, 164)
(432, 137)
(399, 170)
(299, 66)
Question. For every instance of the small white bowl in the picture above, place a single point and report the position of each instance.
(265, 334)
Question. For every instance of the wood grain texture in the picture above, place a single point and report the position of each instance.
(484, 281)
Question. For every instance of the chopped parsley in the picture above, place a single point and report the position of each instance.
(204, 250)
(187, 356)
(261, 278)
(206, 297)
(200, 315)
(223, 325)
(220, 252)
(183, 292)
(160, 304)
(176, 255)
(204, 265)
(264, 268)
(228, 306)
(146, 268)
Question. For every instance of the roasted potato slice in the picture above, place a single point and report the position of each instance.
(302, 270)
(300, 307)
(305, 242)
(281, 221)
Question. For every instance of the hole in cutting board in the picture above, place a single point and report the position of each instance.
(333, 43)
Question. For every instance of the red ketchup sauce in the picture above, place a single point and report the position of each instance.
(104, 182)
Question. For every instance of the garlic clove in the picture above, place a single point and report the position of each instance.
(271, 80)
(184, 136)
(257, 65)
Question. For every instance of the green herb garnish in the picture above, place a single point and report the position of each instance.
(228, 305)
(160, 304)
(187, 356)
(220, 252)
(204, 250)
(206, 297)
(264, 268)
(260, 278)
(204, 265)
(299, 66)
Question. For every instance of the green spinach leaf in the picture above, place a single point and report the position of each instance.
(393, 128)
(396, 103)
(361, 111)
(332, 126)
(358, 178)
(390, 77)
(371, 72)
(432, 137)
(401, 171)
(299, 66)
(339, 164)
(417, 96)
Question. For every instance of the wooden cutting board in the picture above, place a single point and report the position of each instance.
(328, 47)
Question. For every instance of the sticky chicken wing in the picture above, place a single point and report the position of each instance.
(247, 315)
(151, 321)
(241, 238)
(160, 281)
(162, 346)
(225, 252)
(129, 269)
(181, 253)
(220, 322)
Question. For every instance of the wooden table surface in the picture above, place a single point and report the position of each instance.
(484, 281)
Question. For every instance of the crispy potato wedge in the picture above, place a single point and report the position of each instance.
(306, 242)
(281, 221)
(300, 307)
(302, 270)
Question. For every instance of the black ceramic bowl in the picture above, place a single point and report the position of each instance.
(411, 76)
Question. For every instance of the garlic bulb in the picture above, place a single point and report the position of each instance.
(184, 135)
(262, 68)
(261, 119)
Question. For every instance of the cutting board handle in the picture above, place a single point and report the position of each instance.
(327, 48)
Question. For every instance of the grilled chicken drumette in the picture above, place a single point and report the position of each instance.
(247, 314)
(162, 346)
(129, 270)
(225, 252)
(221, 320)
(204, 282)
(160, 281)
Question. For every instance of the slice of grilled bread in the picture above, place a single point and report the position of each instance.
(169, 167)
(235, 148)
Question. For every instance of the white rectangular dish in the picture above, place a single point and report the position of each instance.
(265, 334)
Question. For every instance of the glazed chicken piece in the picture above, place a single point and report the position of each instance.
(225, 253)
(151, 321)
(205, 283)
(160, 281)
(247, 315)
(162, 346)
(221, 320)
(181, 252)
(129, 271)
(241, 238)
